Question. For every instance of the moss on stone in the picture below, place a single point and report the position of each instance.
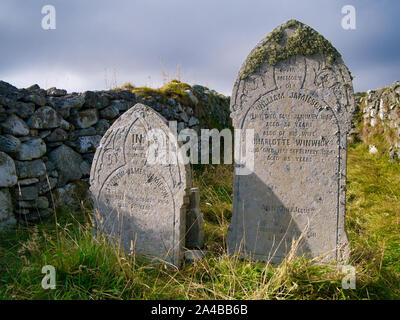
(212, 108)
(176, 89)
(276, 47)
(173, 89)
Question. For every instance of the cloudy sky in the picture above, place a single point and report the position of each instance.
(98, 44)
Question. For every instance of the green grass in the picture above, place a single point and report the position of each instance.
(173, 89)
(89, 268)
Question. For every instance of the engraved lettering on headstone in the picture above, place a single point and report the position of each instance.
(139, 205)
(300, 110)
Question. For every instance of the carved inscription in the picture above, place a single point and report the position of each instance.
(296, 140)
(297, 188)
(137, 204)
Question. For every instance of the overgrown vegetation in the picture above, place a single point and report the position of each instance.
(211, 108)
(173, 89)
(89, 268)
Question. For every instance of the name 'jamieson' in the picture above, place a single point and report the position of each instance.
(292, 95)
(305, 97)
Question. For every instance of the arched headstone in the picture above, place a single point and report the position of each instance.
(141, 204)
(296, 93)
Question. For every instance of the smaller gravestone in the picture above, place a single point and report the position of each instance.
(141, 204)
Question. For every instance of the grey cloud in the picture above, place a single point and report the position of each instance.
(210, 39)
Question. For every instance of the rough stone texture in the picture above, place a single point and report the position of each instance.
(74, 102)
(9, 144)
(85, 118)
(39, 203)
(27, 182)
(194, 222)
(380, 122)
(87, 144)
(54, 92)
(15, 126)
(22, 109)
(33, 216)
(138, 204)
(8, 91)
(301, 110)
(72, 194)
(67, 162)
(6, 209)
(8, 175)
(95, 100)
(46, 185)
(3, 113)
(85, 168)
(58, 135)
(102, 126)
(36, 99)
(32, 149)
(193, 121)
(44, 118)
(109, 113)
(91, 131)
(65, 125)
(120, 105)
(26, 193)
(30, 169)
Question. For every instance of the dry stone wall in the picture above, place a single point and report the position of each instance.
(48, 139)
(378, 124)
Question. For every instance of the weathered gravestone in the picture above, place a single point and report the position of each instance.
(296, 93)
(141, 204)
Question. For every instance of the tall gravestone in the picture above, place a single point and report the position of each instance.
(296, 93)
(138, 203)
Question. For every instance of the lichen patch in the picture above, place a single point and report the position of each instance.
(280, 45)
